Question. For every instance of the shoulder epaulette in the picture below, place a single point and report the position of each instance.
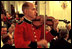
(21, 22)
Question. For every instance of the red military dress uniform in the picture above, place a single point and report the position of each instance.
(25, 33)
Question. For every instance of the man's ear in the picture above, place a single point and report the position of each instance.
(25, 11)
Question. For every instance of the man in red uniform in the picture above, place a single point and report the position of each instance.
(26, 35)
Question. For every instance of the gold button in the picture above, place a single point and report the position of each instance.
(35, 36)
(34, 32)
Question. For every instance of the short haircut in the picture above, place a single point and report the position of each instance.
(25, 6)
(63, 33)
(3, 27)
(5, 38)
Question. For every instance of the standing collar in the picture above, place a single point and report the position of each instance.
(26, 20)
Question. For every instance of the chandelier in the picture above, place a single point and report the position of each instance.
(64, 4)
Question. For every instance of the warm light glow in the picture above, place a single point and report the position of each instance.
(30, 1)
(68, 1)
(58, 1)
(15, 10)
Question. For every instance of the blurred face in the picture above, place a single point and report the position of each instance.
(10, 30)
(7, 14)
(49, 28)
(2, 16)
(31, 11)
(3, 31)
(12, 26)
(16, 15)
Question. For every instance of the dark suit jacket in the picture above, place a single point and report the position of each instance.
(8, 46)
(60, 43)
(70, 34)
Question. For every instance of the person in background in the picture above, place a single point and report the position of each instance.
(50, 37)
(3, 31)
(7, 40)
(48, 34)
(8, 19)
(8, 15)
(10, 33)
(2, 19)
(48, 28)
(17, 16)
(69, 29)
(13, 27)
(62, 41)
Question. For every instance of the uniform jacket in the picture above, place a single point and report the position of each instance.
(26, 35)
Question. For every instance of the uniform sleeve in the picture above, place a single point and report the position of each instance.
(19, 39)
(48, 35)
(54, 33)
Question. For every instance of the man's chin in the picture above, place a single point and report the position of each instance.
(34, 17)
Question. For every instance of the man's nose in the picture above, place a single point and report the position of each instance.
(36, 13)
